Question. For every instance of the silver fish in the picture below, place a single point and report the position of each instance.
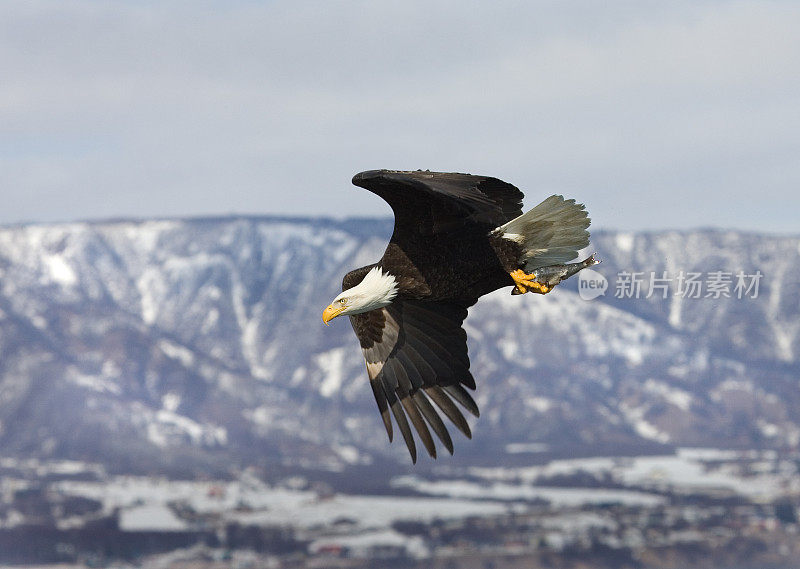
(551, 275)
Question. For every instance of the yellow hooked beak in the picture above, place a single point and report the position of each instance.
(330, 313)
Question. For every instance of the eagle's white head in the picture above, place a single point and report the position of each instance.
(377, 290)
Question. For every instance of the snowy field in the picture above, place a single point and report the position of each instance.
(144, 503)
(757, 475)
(557, 497)
(149, 503)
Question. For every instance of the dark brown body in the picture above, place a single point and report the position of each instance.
(458, 267)
(443, 247)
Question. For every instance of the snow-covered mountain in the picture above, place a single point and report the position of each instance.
(175, 345)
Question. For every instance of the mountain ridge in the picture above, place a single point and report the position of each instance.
(202, 337)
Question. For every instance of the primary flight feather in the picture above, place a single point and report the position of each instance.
(456, 237)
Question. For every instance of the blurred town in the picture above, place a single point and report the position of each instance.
(698, 508)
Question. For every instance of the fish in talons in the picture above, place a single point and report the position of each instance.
(545, 279)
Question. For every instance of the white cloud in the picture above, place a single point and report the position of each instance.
(655, 114)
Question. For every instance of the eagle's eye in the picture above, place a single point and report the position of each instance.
(342, 301)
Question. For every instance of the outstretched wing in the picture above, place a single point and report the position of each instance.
(428, 203)
(416, 353)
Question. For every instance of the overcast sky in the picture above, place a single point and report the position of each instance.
(655, 114)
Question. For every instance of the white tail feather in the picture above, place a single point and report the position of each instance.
(551, 233)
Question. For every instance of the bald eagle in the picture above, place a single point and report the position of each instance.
(456, 238)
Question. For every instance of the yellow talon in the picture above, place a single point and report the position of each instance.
(526, 283)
